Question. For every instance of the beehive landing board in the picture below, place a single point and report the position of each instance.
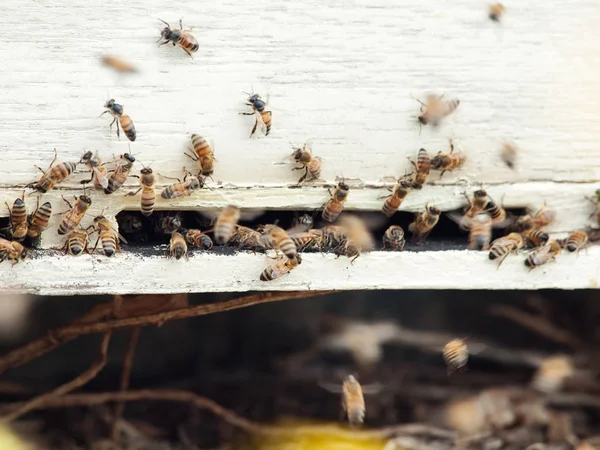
(343, 74)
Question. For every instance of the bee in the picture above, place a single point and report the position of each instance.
(120, 174)
(76, 243)
(508, 154)
(98, 172)
(168, 224)
(480, 233)
(147, 181)
(13, 251)
(261, 115)
(198, 239)
(496, 11)
(18, 218)
(280, 267)
(183, 188)
(277, 238)
(244, 237)
(534, 237)
(540, 219)
(335, 205)
(424, 223)
(456, 355)
(435, 109)
(392, 202)
(552, 374)
(332, 236)
(203, 155)
(177, 247)
(311, 164)
(353, 402)
(497, 213)
(53, 175)
(308, 240)
(393, 238)
(542, 255)
(73, 217)
(226, 223)
(596, 201)
(501, 247)
(422, 168)
(38, 220)
(576, 241)
(448, 161)
(118, 64)
(477, 204)
(301, 224)
(116, 110)
(358, 238)
(107, 236)
(179, 37)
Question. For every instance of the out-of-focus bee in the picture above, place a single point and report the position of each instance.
(18, 218)
(198, 239)
(226, 223)
(335, 205)
(107, 236)
(261, 115)
(147, 181)
(277, 238)
(120, 174)
(393, 201)
(280, 267)
(168, 224)
(98, 172)
(584, 446)
(596, 201)
(393, 238)
(424, 223)
(422, 168)
(76, 243)
(575, 241)
(508, 154)
(116, 110)
(203, 155)
(38, 220)
(246, 238)
(448, 161)
(534, 237)
(179, 37)
(477, 204)
(118, 64)
(501, 247)
(358, 238)
(12, 250)
(182, 188)
(353, 402)
(301, 224)
(480, 232)
(177, 247)
(311, 164)
(540, 219)
(544, 254)
(552, 373)
(456, 355)
(53, 175)
(73, 217)
(498, 214)
(435, 109)
(496, 11)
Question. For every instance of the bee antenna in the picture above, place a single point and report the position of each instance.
(165, 23)
(276, 222)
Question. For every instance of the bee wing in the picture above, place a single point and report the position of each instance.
(463, 221)
(502, 223)
(308, 144)
(334, 388)
(259, 119)
(101, 177)
(476, 347)
(372, 389)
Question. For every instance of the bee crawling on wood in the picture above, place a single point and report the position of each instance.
(448, 161)
(178, 247)
(424, 223)
(392, 202)
(177, 36)
(74, 216)
(335, 205)
(198, 239)
(116, 110)
(496, 11)
(277, 238)
(94, 163)
(168, 223)
(38, 220)
(107, 236)
(148, 199)
(12, 250)
(280, 267)
(76, 243)
(501, 247)
(393, 239)
(422, 168)
(17, 216)
(246, 238)
(53, 175)
(307, 162)
(183, 188)
(203, 154)
(119, 175)
(575, 241)
(542, 255)
(434, 109)
(261, 115)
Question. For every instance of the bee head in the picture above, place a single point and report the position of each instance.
(98, 219)
(146, 171)
(343, 186)
(109, 103)
(85, 199)
(433, 210)
(423, 119)
(253, 98)
(480, 193)
(86, 157)
(129, 157)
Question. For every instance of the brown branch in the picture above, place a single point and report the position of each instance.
(80, 380)
(61, 335)
(125, 377)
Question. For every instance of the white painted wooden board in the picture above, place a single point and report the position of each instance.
(341, 73)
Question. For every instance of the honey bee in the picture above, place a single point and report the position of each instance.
(73, 217)
(332, 236)
(596, 201)
(552, 374)
(477, 204)
(308, 240)
(576, 241)
(38, 221)
(76, 243)
(544, 254)
(226, 223)
(424, 223)
(311, 164)
(179, 37)
(280, 267)
(198, 239)
(501, 247)
(480, 232)
(435, 109)
(203, 155)
(540, 219)
(107, 236)
(245, 237)
(147, 181)
(53, 175)
(277, 238)
(335, 205)
(13, 251)
(301, 224)
(448, 161)
(118, 64)
(456, 355)
(393, 238)
(353, 402)
(393, 201)
(497, 213)
(177, 247)
(116, 110)
(261, 115)
(18, 218)
(182, 188)
(496, 11)
(508, 154)
(422, 168)
(168, 224)
(120, 174)
(357, 238)
(534, 237)
(98, 172)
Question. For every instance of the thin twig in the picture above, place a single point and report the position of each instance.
(80, 380)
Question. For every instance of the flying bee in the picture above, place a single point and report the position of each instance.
(118, 64)
(576, 241)
(435, 109)
(480, 233)
(393, 238)
(596, 201)
(508, 155)
(424, 223)
(226, 223)
(552, 373)
(177, 247)
(107, 236)
(456, 355)
(198, 239)
(280, 267)
(422, 168)
(38, 221)
(120, 174)
(98, 172)
(392, 202)
(353, 402)
(203, 155)
(116, 110)
(277, 238)
(168, 224)
(18, 218)
(147, 181)
(261, 115)
(13, 251)
(501, 247)
(182, 188)
(179, 37)
(53, 175)
(76, 243)
(534, 237)
(542, 255)
(246, 238)
(477, 204)
(305, 160)
(448, 161)
(496, 11)
(335, 205)
(73, 217)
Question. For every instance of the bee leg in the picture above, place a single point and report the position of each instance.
(86, 181)
(67, 201)
(254, 128)
(247, 113)
(132, 193)
(118, 133)
(303, 177)
(192, 157)
(188, 52)
(451, 146)
(354, 259)
(442, 174)
(96, 244)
